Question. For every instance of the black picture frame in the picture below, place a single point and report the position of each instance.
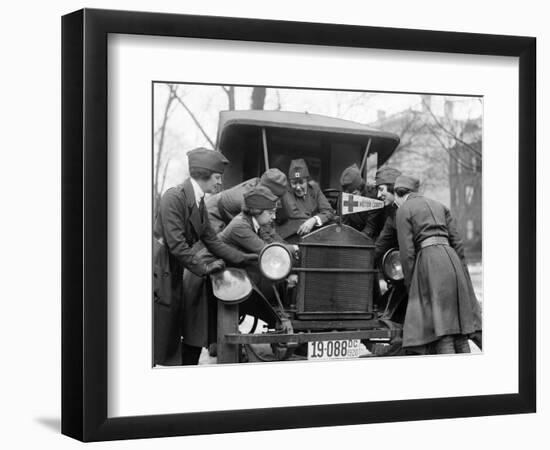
(84, 224)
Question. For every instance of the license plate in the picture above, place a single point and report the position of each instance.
(336, 349)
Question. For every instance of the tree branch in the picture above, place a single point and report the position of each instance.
(450, 133)
(162, 131)
(193, 117)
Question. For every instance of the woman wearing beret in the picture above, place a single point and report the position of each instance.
(243, 235)
(181, 228)
(442, 310)
(225, 205)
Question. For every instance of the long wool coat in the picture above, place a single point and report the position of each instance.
(180, 231)
(200, 312)
(441, 296)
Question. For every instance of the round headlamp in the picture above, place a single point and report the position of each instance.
(231, 285)
(275, 261)
(391, 265)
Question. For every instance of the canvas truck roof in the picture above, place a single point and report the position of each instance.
(383, 143)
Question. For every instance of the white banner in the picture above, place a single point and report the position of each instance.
(355, 203)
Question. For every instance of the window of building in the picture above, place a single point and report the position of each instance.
(469, 194)
(457, 197)
(470, 230)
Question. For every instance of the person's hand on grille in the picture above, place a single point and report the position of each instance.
(307, 226)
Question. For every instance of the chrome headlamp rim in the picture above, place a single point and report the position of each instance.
(388, 276)
(267, 248)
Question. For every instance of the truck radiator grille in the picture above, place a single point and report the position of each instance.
(341, 292)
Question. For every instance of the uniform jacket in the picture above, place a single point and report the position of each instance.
(200, 311)
(240, 233)
(180, 231)
(225, 205)
(387, 239)
(441, 296)
(294, 210)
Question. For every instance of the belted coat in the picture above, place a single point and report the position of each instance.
(181, 229)
(441, 296)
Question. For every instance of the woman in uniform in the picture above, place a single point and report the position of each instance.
(243, 232)
(442, 311)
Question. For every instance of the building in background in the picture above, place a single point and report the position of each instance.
(445, 153)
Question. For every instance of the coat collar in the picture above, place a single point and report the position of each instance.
(411, 196)
(189, 192)
(194, 214)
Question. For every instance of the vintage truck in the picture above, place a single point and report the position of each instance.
(332, 311)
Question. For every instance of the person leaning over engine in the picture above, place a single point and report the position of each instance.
(442, 310)
(387, 236)
(304, 206)
(243, 235)
(225, 205)
(182, 223)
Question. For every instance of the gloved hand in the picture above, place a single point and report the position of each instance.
(249, 257)
(307, 226)
(215, 266)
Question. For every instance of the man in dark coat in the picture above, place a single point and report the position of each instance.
(304, 206)
(180, 227)
(225, 205)
(442, 309)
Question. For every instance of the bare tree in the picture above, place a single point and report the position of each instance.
(230, 92)
(160, 135)
(257, 99)
(178, 98)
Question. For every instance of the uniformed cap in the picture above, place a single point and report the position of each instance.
(386, 175)
(298, 169)
(275, 181)
(405, 181)
(202, 158)
(351, 176)
(260, 197)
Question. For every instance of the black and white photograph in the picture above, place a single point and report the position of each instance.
(294, 225)
(273, 225)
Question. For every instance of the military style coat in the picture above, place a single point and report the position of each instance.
(181, 229)
(295, 210)
(199, 321)
(387, 239)
(441, 296)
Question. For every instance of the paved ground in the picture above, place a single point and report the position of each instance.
(476, 273)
